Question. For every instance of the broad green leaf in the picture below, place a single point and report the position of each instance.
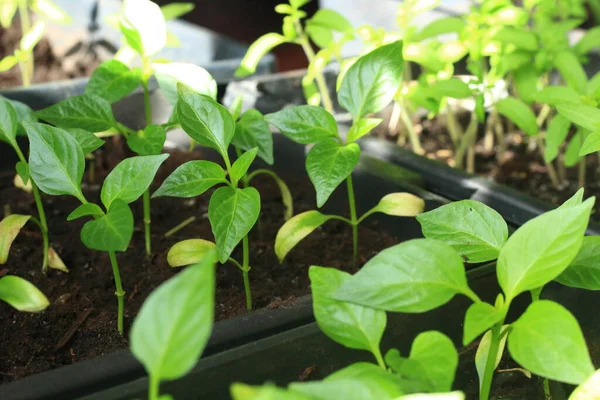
(195, 77)
(351, 325)
(593, 87)
(590, 145)
(589, 389)
(361, 127)
(241, 165)
(148, 142)
(112, 81)
(175, 10)
(589, 41)
(548, 341)
(257, 51)
(9, 229)
(574, 200)
(479, 318)
(23, 171)
(572, 152)
(84, 210)
(8, 8)
(328, 163)
(413, 277)
(520, 38)
(86, 140)
(526, 81)
(8, 63)
(241, 391)
(557, 132)
(304, 124)
(332, 20)
(473, 229)
(355, 386)
(584, 270)
(174, 324)
(88, 112)
(366, 373)
(111, 232)
(519, 113)
(252, 130)
(146, 18)
(296, 229)
(400, 205)
(52, 11)
(24, 113)
(372, 81)
(435, 396)
(56, 161)
(440, 27)
(130, 179)
(32, 37)
(483, 352)
(204, 120)
(542, 248)
(454, 88)
(581, 115)
(232, 214)
(452, 51)
(431, 365)
(8, 122)
(190, 251)
(134, 43)
(571, 70)
(22, 295)
(554, 95)
(192, 179)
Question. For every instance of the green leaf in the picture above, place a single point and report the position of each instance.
(332, 20)
(526, 81)
(452, 51)
(351, 325)
(8, 63)
(23, 171)
(149, 142)
(49, 9)
(574, 200)
(361, 127)
(24, 113)
(473, 229)
(88, 112)
(86, 140)
(8, 123)
(548, 341)
(581, 115)
(591, 144)
(112, 81)
(572, 153)
(241, 391)
(542, 248)
(111, 232)
(84, 210)
(584, 270)
(205, 120)
(32, 37)
(232, 214)
(257, 51)
(519, 113)
(589, 389)
(413, 277)
(193, 76)
(431, 365)
(454, 88)
(435, 396)
(130, 179)
(557, 132)
(9, 229)
(235, 108)
(174, 324)
(589, 41)
(296, 229)
(192, 179)
(56, 162)
(366, 373)
(8, 9)
(304, 124)
(479, 318)
(483, 352)
(440, 26)
(175, 10)
(252, 130)
(372, 81)
(22, 295)
(554, 95)
(328, 163)
(241, 165)
(520, 38)
(190, 251)
(146, 18)
(400, 205)
(571, 70)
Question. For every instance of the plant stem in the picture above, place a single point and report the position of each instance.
(146, 195)
(353, 219)
(119, 293)
(454, 128)
(467, 141)
(581, 170)
(394, 124)
(412, 135)
(245, 270)
(153, 387)
(377, 353)
(180, 226)
(490, 364)
(27, 66)
(310, 55)
(549, 165)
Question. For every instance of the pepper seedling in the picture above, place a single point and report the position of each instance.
(56, 162)
(368, 86)
(22, 294)
(546, 339)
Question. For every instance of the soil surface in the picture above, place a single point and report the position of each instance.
(48, 67)
(81, 321)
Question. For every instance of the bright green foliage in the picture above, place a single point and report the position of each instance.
(479, 318)
(22, 295)
(86, 140)
(296, 229)
(89, 112)
(190, 251)
(518, 112)
(87, 209)
(110, 232)
(304, 124)
(584, 270)
(192, 179)
(148, 142)
(252, 130)
(241, 165)
(112, 81)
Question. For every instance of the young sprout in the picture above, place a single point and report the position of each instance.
(368, 86)
(57, 164)
(31, 35)
(22, 295)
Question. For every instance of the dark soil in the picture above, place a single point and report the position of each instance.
(81, 321)
(48, 67)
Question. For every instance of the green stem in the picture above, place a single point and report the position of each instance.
(180, 226)
(146, 195)
(581, 169)
(245, 271)
(412, 135)
(353, 219)
(467, 141)
(454, 128)
(27, 66)
(119, 293)
(377, 353)
(153, 387)
(490, 364)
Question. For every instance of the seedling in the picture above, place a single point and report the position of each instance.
(546, 339)
(31, 35)
(368, 86)
(56, 162)
(22, 295)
